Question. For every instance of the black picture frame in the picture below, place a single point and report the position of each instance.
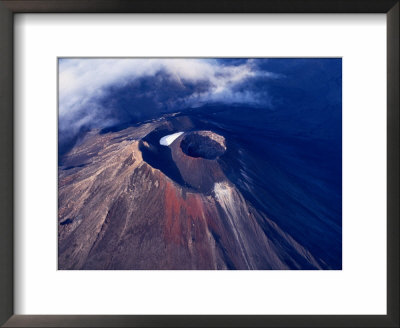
(10, 7)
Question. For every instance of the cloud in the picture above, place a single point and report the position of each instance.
(99, 92)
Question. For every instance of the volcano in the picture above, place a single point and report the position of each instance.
(129, 201)
(199, 163)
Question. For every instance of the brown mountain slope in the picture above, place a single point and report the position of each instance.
(118, 212)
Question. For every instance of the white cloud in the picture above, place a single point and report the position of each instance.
(81, 81)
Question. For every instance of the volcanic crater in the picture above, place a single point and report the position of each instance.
(190, 159)
(204, 144)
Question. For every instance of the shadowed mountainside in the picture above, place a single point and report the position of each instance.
(126, 202)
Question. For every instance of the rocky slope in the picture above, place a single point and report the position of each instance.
(127, 202)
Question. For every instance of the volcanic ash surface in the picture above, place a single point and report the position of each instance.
(126, 201)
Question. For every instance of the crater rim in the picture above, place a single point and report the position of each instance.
(203, 144)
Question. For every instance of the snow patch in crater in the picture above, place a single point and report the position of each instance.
(169, 139)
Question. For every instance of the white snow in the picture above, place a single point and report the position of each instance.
(169, 139)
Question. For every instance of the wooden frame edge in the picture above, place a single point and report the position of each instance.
(6, 165)
(7, 10)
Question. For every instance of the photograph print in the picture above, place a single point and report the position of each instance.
(199, 164)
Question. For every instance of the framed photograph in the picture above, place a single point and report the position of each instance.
(211, 164)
